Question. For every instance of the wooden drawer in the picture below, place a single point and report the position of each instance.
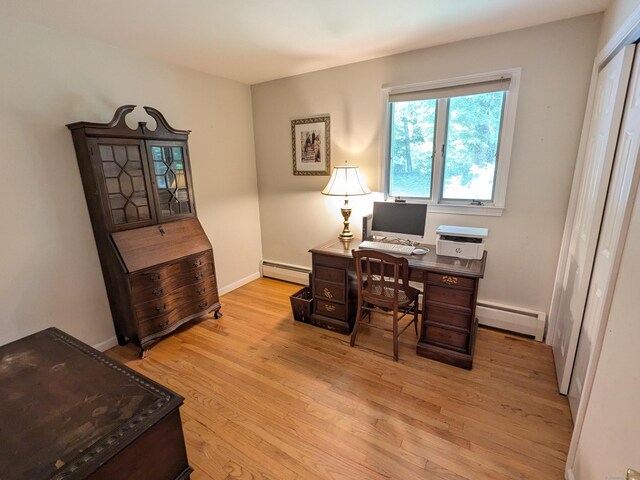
(445, 336)
(449, 296)
(329, 274)
(450, 281)
(329, 291)
(152, 325)
(447, 316)
(179, 301)
(158, 282)
(330, 309)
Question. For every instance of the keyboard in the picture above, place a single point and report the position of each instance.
(388, 247)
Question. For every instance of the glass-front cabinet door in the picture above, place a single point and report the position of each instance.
(125, 182)
(172, 179)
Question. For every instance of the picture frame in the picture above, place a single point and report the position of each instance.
(311, 147)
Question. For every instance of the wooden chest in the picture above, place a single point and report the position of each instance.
(68, 412)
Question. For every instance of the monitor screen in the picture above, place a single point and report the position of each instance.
(399, 220)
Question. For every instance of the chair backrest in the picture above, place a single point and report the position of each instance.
(381, 277)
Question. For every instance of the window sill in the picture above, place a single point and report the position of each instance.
(481, 210)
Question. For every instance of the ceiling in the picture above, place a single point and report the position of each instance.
(253, 41)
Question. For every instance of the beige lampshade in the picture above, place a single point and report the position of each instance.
(346, 180)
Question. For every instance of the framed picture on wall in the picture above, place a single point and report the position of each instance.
(310, 145)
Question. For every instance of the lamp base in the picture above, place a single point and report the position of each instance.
(346, 234)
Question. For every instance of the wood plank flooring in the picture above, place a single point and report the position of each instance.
(270, 398)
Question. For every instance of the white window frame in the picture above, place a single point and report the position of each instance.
(437, 205)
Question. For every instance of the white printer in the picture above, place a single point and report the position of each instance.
(461, 242)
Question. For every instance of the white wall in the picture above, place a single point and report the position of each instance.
(614, 17)
(50, 270)
(523, 244)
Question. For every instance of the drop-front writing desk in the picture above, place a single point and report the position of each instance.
(450, 290)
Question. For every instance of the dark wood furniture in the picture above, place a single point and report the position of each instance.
(68, 412)
(450, 289)
(383, 285)
(156, 260)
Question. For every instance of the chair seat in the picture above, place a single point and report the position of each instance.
(386, 289)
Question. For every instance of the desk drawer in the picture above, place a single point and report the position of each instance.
(330, 309)
(449, 296)
(450, 281)
(444, 336)
(329, 274)
(445, 316)
(329, 291)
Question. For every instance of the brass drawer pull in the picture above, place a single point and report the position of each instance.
(450, 280)
(197, 263)
(162, 307)
(201, 290)
(327, 293)
(154, 276)
(165, 323)
(199, 275)
(157, 291)
(202, 304)
(330, 308)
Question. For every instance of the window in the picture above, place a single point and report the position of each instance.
(448, 143)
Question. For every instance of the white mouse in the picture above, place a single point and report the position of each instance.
(420, 251)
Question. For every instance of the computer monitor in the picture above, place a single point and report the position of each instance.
(399, 220)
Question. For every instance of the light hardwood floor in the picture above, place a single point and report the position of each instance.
(270, 398)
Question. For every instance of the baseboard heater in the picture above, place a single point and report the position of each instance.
(288, 273)
(513, 319)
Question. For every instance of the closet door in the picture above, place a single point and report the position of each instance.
(601, 142)
(622, 191)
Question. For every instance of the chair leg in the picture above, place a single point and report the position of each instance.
(415, 317)
(352, 340)
(395, 335)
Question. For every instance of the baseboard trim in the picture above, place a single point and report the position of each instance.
(106, 345)
(239, 283)
(286, 272)
(568, 474)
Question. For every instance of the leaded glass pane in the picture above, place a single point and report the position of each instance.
(138, 185)
(160, 168)
(132, 212)
(156, 153)
(120, 154)
(133, 153)
(113, 186)
(117, 201)
(171, 181)
(182, 195)
(106, 153)
(139, 199)
(110, 169)
(118, 217)
(125, 183)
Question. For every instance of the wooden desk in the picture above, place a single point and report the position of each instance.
(68, 412)
(450, 290)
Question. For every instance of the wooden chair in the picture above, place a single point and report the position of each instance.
(383, 286)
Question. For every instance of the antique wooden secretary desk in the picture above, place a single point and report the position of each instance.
(450, 291)
(156, 260)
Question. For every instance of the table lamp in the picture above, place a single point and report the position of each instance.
(346, 181)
